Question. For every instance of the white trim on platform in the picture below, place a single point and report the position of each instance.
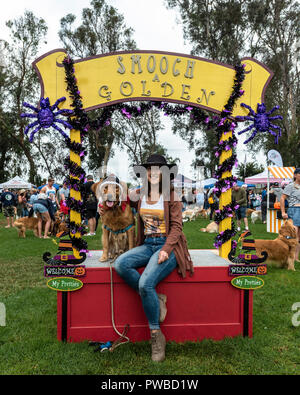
(200, 258)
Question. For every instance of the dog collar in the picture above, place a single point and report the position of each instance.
(116, 232)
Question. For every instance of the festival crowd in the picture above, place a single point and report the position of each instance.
(246, 198)
(48, 200)
(45, 202)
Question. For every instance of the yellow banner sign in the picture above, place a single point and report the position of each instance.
(152, 75)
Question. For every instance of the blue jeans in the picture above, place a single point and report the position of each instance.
(145, 283)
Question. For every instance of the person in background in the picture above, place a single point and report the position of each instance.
(32, 199)
(291, 193)
(213, 202)
(277, 190)
(264, 203)
(9, 202)
(251, 199)
(191, 198)
(239, 197)
(50, 191)
(62, 196)
(200, 199)
(263, 193)
(183, 200)
(91, 206)
(206, 204)
(21, 204)
(44, 209)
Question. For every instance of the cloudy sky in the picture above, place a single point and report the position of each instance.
(155, 28)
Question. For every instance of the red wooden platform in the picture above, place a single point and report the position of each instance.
(203, 306)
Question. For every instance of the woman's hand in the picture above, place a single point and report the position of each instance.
(101, 211)
(284, 216)
(162, 256)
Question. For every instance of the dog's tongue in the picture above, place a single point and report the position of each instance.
(109, 204)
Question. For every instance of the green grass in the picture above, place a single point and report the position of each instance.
(28, 343)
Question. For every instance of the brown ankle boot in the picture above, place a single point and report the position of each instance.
(162, 307)
(158, 345)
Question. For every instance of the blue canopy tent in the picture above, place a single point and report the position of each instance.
(239, 183)
(56, 186)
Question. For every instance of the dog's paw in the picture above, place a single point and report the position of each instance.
(103, 258)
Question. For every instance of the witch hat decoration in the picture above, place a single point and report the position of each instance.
(248, 245)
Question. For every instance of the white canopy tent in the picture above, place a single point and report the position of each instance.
(16, 183)
(261, 178)
(182, 181)
(271, 175)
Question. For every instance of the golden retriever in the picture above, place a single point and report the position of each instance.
(211, 228)
(282, 249)
(249, 212)
(26, 223)
(31, 223)
(255, 216)
(117, 216)
(189, 215)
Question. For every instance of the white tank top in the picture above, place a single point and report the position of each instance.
(51, 192)
(153, 216)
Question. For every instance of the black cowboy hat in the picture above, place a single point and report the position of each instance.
(159, 160)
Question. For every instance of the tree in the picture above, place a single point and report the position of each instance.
(227, 30)
(27, 32)
(215, 28)
(279, 35)
(249, 169)
(139, 136)
(102, 30)
(200, 140)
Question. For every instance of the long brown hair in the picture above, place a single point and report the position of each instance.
(163, 189)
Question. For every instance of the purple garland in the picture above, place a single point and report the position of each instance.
(225, 126)
(79, 122)
(222, 124)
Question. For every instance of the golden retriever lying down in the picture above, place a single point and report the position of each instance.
(211, 228)
(117, 217)
(282, 249)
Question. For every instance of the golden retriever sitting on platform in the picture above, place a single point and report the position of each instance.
(282, 249)
(211, 228)
(118, 224)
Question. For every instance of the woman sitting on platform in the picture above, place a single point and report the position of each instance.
(161, 244)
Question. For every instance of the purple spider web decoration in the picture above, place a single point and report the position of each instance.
(46, 117)
(261, 121)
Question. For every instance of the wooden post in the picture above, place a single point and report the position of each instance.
(225, 199)
(75, 216)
